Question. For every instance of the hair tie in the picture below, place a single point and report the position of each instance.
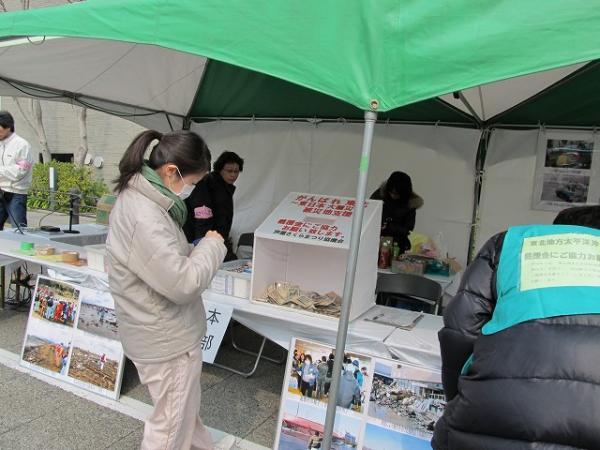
(151, 147)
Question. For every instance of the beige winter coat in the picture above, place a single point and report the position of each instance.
(156, 277)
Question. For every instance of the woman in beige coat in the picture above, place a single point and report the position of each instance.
(156, 279)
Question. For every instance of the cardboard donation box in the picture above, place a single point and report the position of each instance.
(301, 251)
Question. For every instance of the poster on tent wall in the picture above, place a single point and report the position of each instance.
(567, 170)
(382, 404)
(72, 335)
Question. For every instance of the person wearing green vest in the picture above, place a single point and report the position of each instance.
(520, 358)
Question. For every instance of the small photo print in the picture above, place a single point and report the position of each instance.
(95, 360)
(55, 301)
(47, 346)
(565, 188)
(312, 371)
(97, 315)
(381, 438)
(410, 399)
(569, 154)
(303, 425)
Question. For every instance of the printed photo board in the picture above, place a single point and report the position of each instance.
(566, 170)
(72, 335)
(382, 404)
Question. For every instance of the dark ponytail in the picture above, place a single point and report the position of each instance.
(185, 149)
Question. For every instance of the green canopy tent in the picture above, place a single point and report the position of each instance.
(143, 58)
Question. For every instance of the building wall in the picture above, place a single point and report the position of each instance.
(108, 136)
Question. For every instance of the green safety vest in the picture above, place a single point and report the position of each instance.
(545, 271)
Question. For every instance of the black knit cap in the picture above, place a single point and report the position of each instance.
(585, 216)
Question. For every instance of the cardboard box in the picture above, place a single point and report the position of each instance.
(233, 279)
(306, 240)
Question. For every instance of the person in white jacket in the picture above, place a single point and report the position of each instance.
(15, 173)
(156, 278)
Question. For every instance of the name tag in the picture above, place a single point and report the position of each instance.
(203, 212)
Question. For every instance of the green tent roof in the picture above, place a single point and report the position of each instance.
(315, 59)
(395, 52)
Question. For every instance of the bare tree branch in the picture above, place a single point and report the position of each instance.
(82, 150)
(3, 6)
(36, 107)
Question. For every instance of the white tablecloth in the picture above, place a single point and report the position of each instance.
(89, 234)
(9, 246)
(419, 346)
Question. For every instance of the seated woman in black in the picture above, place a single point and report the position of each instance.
(400, 204)
(210, 207)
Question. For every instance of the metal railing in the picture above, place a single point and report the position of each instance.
(62, 202)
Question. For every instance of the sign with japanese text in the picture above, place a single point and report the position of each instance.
(560, 260)
(217, 320)
(313, 218)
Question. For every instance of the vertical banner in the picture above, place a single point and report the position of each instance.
(567, 170)
(382, 404)
(217, 320)
(72, 335)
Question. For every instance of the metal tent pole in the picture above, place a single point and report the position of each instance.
(357, 219)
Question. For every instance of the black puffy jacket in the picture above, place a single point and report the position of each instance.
(535, 385)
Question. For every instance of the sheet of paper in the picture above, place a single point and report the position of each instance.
(560, 260)
(393, 316)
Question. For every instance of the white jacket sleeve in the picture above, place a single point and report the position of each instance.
(20, 165)
(156, 259)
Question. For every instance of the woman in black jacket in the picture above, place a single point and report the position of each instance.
(400, 206)
(210, 207)
(532, 385)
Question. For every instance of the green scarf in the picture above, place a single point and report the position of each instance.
(178, 211)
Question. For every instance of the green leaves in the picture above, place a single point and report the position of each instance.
(68, 177)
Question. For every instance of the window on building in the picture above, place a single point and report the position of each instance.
(60, 157)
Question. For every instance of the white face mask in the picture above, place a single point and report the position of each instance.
(186, 190)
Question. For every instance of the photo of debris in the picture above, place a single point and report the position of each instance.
(95, 360)
(302, 428)
(569, 154)
(47, 346)
(381, 438)
(55, 301)
(97, 315)
(565, 188)
(312, 370)
(411, 399)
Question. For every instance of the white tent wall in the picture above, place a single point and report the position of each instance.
(510, 177)
(298, 156)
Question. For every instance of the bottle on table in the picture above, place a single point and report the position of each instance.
(385, 256)
(396, 252)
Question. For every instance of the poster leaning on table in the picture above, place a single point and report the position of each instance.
(382, 404)
(72, 335)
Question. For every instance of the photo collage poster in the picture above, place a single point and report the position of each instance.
(382, 404)
(72, 335)
(567, 170)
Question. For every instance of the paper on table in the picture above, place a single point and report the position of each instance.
(393, 316)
